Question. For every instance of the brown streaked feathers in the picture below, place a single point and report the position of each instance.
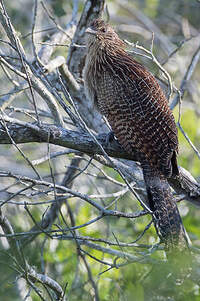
(129, 96)
(131, 99)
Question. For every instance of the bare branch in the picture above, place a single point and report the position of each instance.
(26, 132)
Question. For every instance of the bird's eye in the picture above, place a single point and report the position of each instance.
(103, 29)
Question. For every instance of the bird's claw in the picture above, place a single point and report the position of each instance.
(109, 138)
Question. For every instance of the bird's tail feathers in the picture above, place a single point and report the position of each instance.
(166, 216)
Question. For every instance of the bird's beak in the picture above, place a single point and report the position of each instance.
(91, 31)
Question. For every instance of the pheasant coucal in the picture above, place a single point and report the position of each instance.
(136, 108)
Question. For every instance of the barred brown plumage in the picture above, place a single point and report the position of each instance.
(129, 96)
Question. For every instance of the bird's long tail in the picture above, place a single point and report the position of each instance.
(166, 216)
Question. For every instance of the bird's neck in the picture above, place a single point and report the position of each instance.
(101, 57)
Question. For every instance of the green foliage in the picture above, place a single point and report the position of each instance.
(151, 8)
(58, 8)
(187, 158)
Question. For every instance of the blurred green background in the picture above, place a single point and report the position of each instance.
(175, 24)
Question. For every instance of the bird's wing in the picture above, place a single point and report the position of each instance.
(138, 113)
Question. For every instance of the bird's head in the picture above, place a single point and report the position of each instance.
(101, 35)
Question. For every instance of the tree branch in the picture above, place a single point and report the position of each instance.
(23, 132)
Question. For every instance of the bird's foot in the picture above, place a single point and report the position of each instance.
(109, 138)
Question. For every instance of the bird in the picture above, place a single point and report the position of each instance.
(137, 110)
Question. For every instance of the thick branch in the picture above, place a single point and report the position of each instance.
(22, 132)
(76, 55)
